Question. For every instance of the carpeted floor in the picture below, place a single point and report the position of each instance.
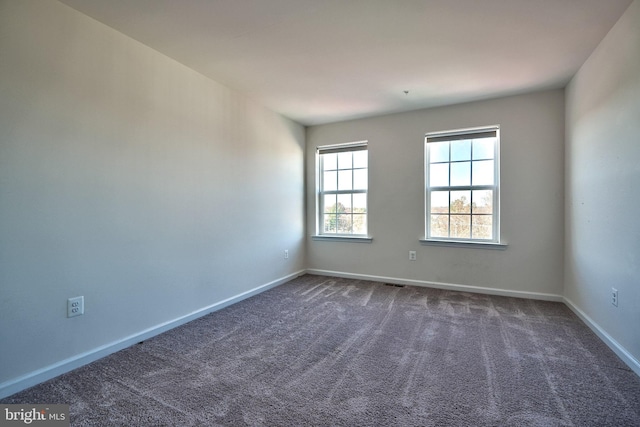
(322, 351)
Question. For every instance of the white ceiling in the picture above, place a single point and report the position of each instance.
(319, 61)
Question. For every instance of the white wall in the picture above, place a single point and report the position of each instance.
(532, 135)
(132, 180)
(602, 184)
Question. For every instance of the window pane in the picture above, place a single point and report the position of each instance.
(483, 172)
(359, 224)
(439, 175)
(359, 179)
(483, 227)
(461, 150)
(339, 172)
(483, 148)
(462, 185)
(344, 202)
(360, 203)
(440, 202)
(330, 203)
(482, 201)
(344, 160)
(438, 152)
(461, 226)
(360, 159)
(461, 202)
(344, 180)
(329, 181)
(344, 223)
(330, 222)
(439, 226)
(460, 173)
(330, 161)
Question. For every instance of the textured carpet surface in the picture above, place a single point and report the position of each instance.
(326, 351)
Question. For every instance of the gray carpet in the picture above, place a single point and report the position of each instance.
(324, 351)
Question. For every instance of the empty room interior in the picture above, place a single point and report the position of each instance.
(162, 162)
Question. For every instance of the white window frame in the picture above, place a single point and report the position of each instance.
(320, 191)
(458, 134)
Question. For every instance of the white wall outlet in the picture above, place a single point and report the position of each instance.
(614, 296)
(412, 255)
(75, 306)
(286, 254)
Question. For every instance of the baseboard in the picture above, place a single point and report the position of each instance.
(614, 345)
(28, 380)
(23, 382)
(439, 285)
(618, 349)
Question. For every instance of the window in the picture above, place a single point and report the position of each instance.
(342, 189)
(462, 185)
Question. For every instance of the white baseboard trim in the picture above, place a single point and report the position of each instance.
(23, 382)
(439, 285)
(618, 349)
(28, 380)
(614, 345)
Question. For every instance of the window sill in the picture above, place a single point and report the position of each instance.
(462, 244)
(355, 239)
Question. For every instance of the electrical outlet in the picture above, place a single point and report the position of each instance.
(412, 255)
(286, 254)
(614, 296)
(75, 306)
